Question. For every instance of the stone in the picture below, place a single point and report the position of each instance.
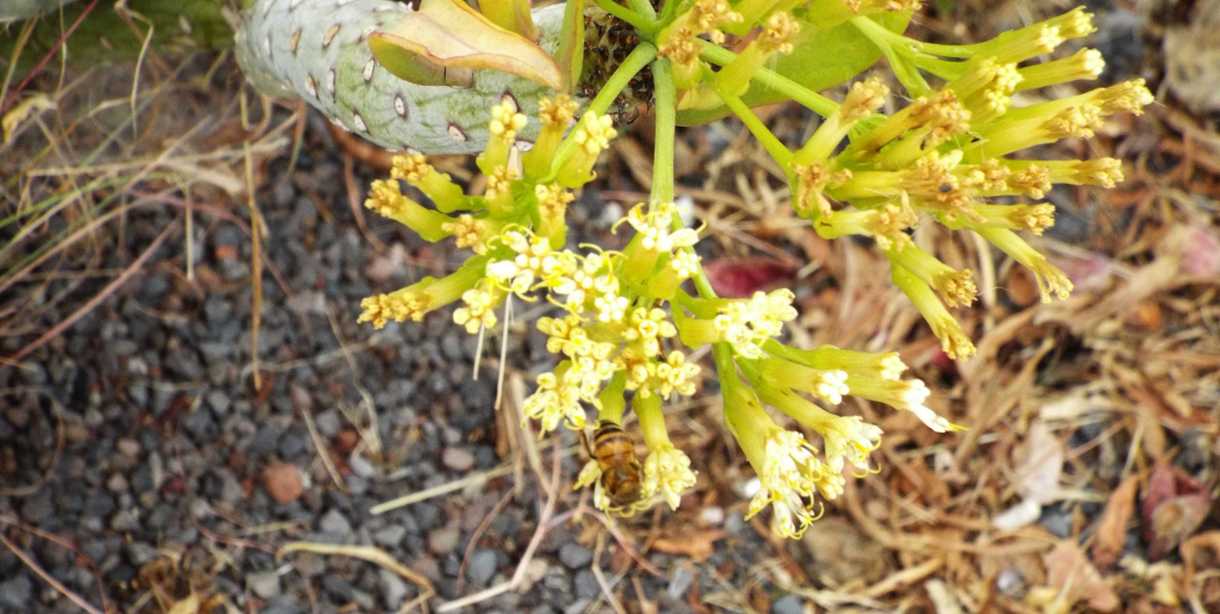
(219, 401)
(16, 593)
(482, 566)
(265, 584)
(335, 523)
(586, 585)
(128, 447)
(680, 581)
(390, 536)
(788, 604)
(443, 540)
(283, 482)
(457, 459)
(574, 555)
(117, 483)
(393, 589)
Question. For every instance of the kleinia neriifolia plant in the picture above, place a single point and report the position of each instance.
(946, 150)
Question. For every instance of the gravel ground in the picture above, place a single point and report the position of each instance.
(140, 433)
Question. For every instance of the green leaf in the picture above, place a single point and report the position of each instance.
(571, 54)
(442, 42)
(829, 51)
(511, 15)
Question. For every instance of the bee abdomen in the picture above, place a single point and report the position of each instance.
(610, 442)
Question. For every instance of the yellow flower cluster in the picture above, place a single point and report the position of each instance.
(624, 324)
(945, 155)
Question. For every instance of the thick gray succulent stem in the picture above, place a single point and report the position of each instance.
(317, 50)
(12, 10)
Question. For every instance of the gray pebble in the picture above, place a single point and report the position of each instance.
(337, 588)
(482, 566)
(679, 582)
(1057, 521)
(16, 593)
(328, 422)
(219, 401)
(393, 589)
(788, 604)
(125, 520)
(139, 553)
(361, 466)
(443, 540)
(38, 507)
(457, 459)
(586, 585)
(576, 607)
(128, 447)
(390, 536)
(265, 584)
(293, 443)
(574, 555)
(335, 523)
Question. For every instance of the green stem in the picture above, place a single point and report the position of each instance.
(668, 9)
(945, 51)
(777, 149)
(637, 21)
(666, 126)
(663, 183)
(644, 9)
(802, 95)
(652, 421)
(896, 53)
(618, 81)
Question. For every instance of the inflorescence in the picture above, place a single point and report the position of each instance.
(626, 322)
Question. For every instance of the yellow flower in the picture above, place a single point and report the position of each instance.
(848, 440)
(478, 312)
(673, 375)
(553, 402)
(655, 227)
(791, 478)
(748, 323)
(648, 327)
(469, 233)
(667, 474)
(534, 263)
(506, 122)
(592, 279)
(685, 263)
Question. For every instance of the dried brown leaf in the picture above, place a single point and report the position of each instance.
(1071, 573)
(698, 545)
(1173, 506)
(1037, 477)
(444, 40)
(742, 277)
(1112, 528)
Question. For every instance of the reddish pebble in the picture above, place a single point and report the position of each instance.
(283, 482)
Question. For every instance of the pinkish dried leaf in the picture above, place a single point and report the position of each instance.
(740, 278)
(1068, 569)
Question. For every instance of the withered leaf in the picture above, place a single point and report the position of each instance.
(1112, 528)
(741, 277)
(445, 41)
(1068, 568)
(1173, 506)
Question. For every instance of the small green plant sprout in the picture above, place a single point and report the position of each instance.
(879, 163)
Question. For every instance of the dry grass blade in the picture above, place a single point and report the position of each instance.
(102, 295)
(257, 229)
(371, 554)
(41, 573)
(474, 479)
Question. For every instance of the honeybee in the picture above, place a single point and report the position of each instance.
(622, 473)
